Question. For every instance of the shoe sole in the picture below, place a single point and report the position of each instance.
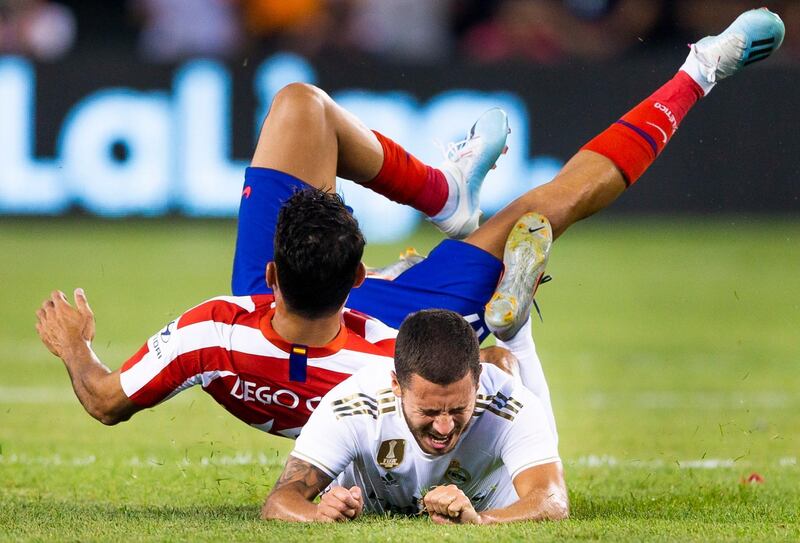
(525, 258)
(407, 260)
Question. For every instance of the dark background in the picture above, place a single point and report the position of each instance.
(737, 151)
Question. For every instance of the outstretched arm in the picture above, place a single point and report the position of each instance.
(292, 497)
(542, 496)
(542, 492)
(68, 333)
(530, 454)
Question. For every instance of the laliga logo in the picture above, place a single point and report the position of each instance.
(124, 152)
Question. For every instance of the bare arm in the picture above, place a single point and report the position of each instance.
(292, 497)
(68, 333)
(542, 492)
(543, 496)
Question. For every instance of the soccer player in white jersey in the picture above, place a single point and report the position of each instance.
(440, 433)
(306, 142)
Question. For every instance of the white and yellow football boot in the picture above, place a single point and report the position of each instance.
(408, 258)
(525, 258)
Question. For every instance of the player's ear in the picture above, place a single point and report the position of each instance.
(361, 274)
(271, 275)
(396, 386)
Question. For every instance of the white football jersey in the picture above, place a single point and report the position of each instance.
(359, 436)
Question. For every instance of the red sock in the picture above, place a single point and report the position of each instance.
(406, 180)
(634, 141)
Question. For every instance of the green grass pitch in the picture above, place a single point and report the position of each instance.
(671, 348)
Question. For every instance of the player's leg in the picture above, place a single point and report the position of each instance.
(309, 136)
(587, 183)
(453, 276)
(308, 139)
(601, 171)
(298, 147)
(615, 159)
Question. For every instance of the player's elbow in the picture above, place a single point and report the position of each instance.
(557, 508)
(106, 417)
(287, 506)
(559, 511)
(105, 400)
(270, 510)
(110, 420)
(108, 412)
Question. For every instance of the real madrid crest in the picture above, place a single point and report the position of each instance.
(391, 452)
(456, 474)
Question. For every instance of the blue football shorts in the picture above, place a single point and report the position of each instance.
(456, 275)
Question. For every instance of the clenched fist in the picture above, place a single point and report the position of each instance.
(340, 504)
(448, 504)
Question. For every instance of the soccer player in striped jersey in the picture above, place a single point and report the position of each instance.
(270, 352)
(266, 358)
(441, 433)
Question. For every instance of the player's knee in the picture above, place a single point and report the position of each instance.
(299, 99)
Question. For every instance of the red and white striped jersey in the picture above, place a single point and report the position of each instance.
(228, 346)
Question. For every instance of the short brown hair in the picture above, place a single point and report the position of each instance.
(439, 346)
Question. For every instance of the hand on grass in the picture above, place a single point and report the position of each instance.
(449, 505)
(340, 504)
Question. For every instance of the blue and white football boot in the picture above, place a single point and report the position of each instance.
(466, 164)
(752, 37)
(525, 258)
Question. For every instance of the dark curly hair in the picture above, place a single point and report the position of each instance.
(318, 246)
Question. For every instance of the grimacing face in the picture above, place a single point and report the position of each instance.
(437, 415)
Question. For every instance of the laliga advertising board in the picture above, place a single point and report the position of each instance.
(122, 152)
